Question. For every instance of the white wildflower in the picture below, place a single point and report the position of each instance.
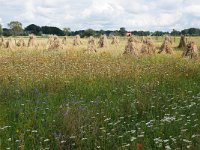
(167, 147)
(46, 140)
(133, 139)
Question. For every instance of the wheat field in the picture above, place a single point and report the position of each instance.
(67, 99)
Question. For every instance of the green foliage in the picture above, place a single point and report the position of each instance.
(1, 30)
(141, 33)
(158, 33)
(191, 31)
(16, 28)
(33, 29)
(175, 33)
(67, 31)
(7, 32)
(122, 31)
(101, 32)
(89, 32)
(58, 100)
(52, 30)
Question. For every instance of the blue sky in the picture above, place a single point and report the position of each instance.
(104, 14)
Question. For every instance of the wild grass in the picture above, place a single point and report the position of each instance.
(70, 100)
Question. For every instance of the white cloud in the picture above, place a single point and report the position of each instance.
(193, 10)
(104, 14)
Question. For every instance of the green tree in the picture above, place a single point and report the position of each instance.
(175, 33)
(15, 27)
(158, 33)
(52, 30)
(102, 32)
(122, 31)
(67, 31)
(184, 32)
(33, 29)
(89, 32)
(194, 31)
(1, 30)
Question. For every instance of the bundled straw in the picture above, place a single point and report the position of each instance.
(91, 45)
(182, 43)
(55, 44)
(103, 41)
(148, 46)
(131, 47)
(31, 41)
(20, 43)
(166, 46)
(191, 50)
(77, 40)
(64, 40)
(8, 44)
(115, 40)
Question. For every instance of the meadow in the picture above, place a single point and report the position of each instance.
(66, 99)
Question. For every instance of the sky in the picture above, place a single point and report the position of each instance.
(149, 15)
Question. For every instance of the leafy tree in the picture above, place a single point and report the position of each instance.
(115, 33)
(89, 32)
(194, 31)
(184, 32)
(122, 31)
(52, 30)
(158, 33)
(80, 32)
(1, 30)
(102, 32)
(99, 33)
(108, 32)
(15, 27)
(67, 31)
(141, 33)
(191, 32)
(7, 32)
(33, 29)
(175, 33)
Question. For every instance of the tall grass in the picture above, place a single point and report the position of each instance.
(70, 100)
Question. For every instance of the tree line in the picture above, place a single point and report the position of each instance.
(15, 29)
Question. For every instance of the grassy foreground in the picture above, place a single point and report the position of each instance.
(69, 100)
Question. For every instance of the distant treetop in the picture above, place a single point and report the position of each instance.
(15, 29)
